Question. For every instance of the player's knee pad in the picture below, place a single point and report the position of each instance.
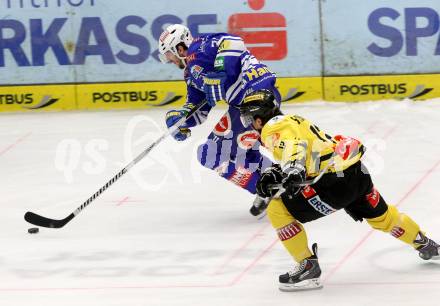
(397, 224)
(289, 230)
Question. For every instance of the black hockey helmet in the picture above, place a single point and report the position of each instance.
(259, 104)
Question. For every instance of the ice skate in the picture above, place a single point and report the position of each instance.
(305, 276)
(428, 248)
(258, 208)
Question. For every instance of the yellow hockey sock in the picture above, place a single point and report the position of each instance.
(397, 224)
(289, 230)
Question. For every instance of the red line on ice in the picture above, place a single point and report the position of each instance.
(238, 278)
(389, 132)
(11, 146)
(124, 200)
(219, 270)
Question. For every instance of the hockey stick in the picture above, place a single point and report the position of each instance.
(54, 223)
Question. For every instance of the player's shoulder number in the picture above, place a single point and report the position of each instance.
(297, 119)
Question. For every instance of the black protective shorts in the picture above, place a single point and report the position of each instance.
(354, 192)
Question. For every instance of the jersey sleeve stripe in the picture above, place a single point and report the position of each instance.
(234, 38)
(233, 87)
(230, 53)
(236, 91)
(231, 50)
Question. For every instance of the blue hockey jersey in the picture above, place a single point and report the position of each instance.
(228, 53)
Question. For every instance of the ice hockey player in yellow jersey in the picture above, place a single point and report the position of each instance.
(316, 175)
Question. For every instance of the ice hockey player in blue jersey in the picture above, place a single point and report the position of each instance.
(218, 67)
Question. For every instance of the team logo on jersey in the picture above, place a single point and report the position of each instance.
(254, 73)
(248, 139)
(308, 192)
(373, 197)
(347, 147)
(219, 63)
(223, 127)
(196, 70)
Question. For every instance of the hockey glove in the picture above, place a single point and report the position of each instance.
(294, 173)
(214, 87)
(271, 176)
(171, 118)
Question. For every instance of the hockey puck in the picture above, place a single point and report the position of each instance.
(33, 230)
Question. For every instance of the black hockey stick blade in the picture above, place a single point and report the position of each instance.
(46, 222)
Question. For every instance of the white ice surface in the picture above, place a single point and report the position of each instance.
(190, 239)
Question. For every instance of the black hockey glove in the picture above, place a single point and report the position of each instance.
(270, 176)
(294, 173)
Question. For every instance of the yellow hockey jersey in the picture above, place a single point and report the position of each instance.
(293, 138)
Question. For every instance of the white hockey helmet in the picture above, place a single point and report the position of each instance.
(170, 38)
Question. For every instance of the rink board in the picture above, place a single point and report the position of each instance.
(129, 95)
(144, 95)
(373, 88)
(37, 98)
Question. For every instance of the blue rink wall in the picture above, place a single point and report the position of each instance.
(101, 54)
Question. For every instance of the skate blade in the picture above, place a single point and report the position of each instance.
(435, 258)
(309, 284)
